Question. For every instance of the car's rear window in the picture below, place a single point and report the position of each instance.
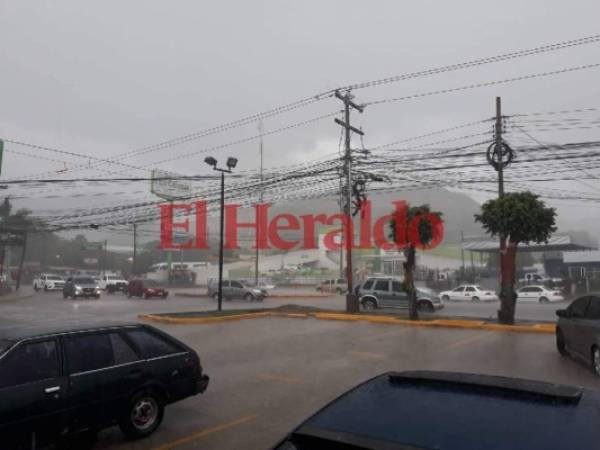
(151, 345)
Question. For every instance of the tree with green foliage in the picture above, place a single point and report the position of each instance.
(403, 226)
(518, 217)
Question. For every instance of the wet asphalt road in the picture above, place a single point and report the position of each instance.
(269, 374)
(49, 306)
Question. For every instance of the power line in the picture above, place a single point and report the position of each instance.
(480, 85)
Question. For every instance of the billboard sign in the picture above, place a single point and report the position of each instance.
(166, 185)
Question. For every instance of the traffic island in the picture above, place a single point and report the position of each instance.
(298, 296)
(300, 312)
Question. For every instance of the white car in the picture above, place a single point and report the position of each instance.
(469, 292)
(48, 282)
(113, 283)
(539, 294)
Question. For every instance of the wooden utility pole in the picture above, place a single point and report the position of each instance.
(351, 300)
(134, 262)
(20, 272)
(507, 298)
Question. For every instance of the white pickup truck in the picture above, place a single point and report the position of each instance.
(48, 282)
(113, 283)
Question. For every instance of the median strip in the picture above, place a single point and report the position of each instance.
(297, 312)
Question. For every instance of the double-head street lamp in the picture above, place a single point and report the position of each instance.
(231, 163)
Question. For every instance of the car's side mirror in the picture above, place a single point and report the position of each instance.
(564, 313)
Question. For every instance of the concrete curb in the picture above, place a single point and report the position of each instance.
(542, 328)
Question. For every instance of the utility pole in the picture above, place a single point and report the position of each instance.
(462, 250)
(351, 300)
(341, 203)
(20, 272)
(260, 199)
(104, 265)
(134, 262)
(499, 151)
(499, 155)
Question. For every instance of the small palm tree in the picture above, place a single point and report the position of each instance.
(411, 229)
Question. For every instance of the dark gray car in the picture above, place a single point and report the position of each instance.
(578, 330)
(81, 287)
(388, 292)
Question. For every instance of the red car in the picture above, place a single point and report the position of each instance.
(146, 289)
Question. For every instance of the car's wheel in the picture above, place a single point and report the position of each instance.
(165, 295)
(543, 300)
(97, 296)
(319, 289)
(65, 295)
(338, 291)
(369, 304)
(45, 288)
(146, 295)
(560, 342)
(249, 297)
(144, 414)
(596, 359)
(475, 299)
(36, 288)
(425, 306)
(128, 294)
(445, 298)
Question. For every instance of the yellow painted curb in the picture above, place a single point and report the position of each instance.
(544, 328)
(292, 315)
(197, 320)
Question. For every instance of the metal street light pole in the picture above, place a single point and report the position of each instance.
(231, 163)
(221, 223)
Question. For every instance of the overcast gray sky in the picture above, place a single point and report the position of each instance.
(103, 78)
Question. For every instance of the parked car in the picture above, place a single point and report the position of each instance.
(233, 289)
(539, 294)
(578, 330)
(337, 285)
(74, 379)
(113, 283)
(48, 282)
(536, 278)
(146, 289)
(397, 410)
(384, 292)
(81, 287)
(469, 292)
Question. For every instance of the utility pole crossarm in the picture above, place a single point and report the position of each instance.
(350, 127)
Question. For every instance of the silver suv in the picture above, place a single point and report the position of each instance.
(233, 289)
(388, 292)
